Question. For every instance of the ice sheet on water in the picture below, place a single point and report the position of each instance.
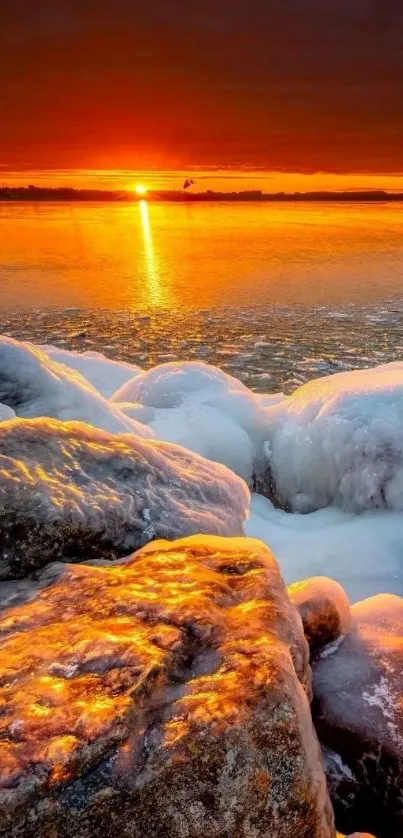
(287, 343)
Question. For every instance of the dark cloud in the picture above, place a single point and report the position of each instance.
(297, 84)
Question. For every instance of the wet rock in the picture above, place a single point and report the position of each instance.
(324, 608)
(358, 710)
(161, 697)
(69, 492)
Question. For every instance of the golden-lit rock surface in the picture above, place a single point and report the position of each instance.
(358, 707)
(165, 696)
(355, 835)
(69, 492)
(324, 608)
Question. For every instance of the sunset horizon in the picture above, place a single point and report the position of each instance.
(222, 179)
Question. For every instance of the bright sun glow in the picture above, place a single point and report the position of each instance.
(140, 189)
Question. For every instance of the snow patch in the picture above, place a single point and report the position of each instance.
(338, 440)
(33, 385)
(361, 552)
(205, 409)
(383, 697)
(103, 373)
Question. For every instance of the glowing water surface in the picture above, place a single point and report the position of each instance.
(146, 256)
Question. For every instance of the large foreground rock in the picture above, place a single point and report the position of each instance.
(164, 697)
(70, 492)
(358, 691)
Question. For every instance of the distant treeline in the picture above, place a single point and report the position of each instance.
(40, 193)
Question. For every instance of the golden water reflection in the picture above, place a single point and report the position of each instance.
(155, 288)
(139, 256)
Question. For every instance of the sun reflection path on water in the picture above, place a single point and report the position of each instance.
(155, 288)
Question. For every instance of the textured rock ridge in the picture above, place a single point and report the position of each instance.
(69, 492)
(164, 697)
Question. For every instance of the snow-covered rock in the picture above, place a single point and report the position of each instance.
(358, 709)
(160, 697)
(324, 608)
(33, 385)
(204, 409)
(71, 492)
(339, 440)
(103, 373)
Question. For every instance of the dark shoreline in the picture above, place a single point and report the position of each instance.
(34, 193)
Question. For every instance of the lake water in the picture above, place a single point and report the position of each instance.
(274, 293)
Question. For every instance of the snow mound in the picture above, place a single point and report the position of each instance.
(361, 552)
(69, 492)
(33, 385)
(105, 375)
(339, 441)
(6, 413)
(202, 408)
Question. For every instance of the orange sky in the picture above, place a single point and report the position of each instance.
(280, 86)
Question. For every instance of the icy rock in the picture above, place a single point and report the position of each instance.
(32, 384)
(358, 707)
(338, 441)
(347, 794)
(105, 375)
(324, 608)
(69, 492)
(204, 409)
(162, 697)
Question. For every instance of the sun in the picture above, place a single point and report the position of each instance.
(140, 189)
